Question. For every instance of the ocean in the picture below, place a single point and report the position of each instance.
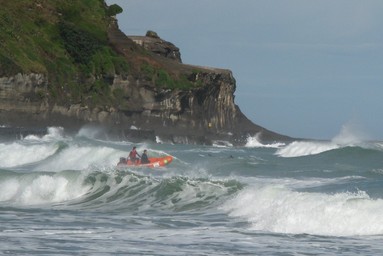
(63, 195)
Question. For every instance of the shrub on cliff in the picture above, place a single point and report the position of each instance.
(113, 10)
(152, 34)
(80, 45)
(7, 66)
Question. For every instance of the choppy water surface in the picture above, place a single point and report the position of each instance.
(65, 196)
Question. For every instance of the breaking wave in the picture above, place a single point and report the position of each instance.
(278, 209)
(116, 190)
(254, 142)
(305, 148)
(346, 138)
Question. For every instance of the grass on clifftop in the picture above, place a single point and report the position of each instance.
(30, 35)
(67, 41)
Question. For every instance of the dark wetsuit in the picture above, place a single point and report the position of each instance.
(144, 158)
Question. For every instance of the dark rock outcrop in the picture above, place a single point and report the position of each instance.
(153, 43)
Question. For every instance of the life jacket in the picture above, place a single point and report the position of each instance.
(133, 154)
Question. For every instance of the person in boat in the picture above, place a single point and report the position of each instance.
(144, 157)
(122, 161)
(134, 156)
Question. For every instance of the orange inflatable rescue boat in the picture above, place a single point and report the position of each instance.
(153, 162)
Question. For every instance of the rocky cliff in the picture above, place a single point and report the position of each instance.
(153, 43)
(159, 96)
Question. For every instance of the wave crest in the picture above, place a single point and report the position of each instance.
(254, 142)
(117, 190)
(277, 209)
(305, 148)
(38, 188)
(129, 191)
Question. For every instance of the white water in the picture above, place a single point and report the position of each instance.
(17, 153)
(254, 142)
(347, 137)
(305, 148)
(222, 200)
(41, 189)
(278, 209)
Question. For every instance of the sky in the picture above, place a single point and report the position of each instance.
(305, 69)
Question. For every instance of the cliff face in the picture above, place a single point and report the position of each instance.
(153, 43)
(160, 96)
(199, 115)
(22, 92)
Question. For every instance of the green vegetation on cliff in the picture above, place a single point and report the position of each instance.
(68, 42)
(65, 40)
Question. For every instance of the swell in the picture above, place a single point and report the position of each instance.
(129, 191)
(308, 148)
(113, 190)
(276, 208)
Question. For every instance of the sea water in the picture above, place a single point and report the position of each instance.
(64, 195)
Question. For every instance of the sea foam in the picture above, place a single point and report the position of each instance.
(17, 153)
(305, 148)
(254, 142)
(347, 137)
(278, 209)
(33, 189)
(78, 157)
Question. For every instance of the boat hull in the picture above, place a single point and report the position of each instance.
(154, 162)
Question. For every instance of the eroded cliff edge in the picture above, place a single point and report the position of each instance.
(148, 101)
